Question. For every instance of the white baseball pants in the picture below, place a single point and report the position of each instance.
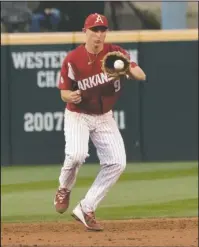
(105, 135)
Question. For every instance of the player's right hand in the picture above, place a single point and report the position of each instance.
(75, 97)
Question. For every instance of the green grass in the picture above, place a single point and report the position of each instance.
(144, 190)
(86, 181)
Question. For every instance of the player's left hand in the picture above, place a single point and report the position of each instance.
(109, 66)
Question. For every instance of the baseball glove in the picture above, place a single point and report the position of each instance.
(108, 64)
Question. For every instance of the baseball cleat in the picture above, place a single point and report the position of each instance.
(87, 219)
(61, 200)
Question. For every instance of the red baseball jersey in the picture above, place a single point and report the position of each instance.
(82, 70)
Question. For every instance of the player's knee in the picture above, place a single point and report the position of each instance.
(75, 159)
(122, 167)
(121, 161)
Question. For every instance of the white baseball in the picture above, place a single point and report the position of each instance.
(119, 64)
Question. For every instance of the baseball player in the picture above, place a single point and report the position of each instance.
(90, 96)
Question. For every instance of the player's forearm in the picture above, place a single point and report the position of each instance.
(71, 96)
(66, 95)
(137, 73)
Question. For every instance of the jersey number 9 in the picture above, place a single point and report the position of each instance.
(117, 85)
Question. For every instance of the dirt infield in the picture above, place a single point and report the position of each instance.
(145, 232)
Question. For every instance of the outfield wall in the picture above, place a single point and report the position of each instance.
(158, 119)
